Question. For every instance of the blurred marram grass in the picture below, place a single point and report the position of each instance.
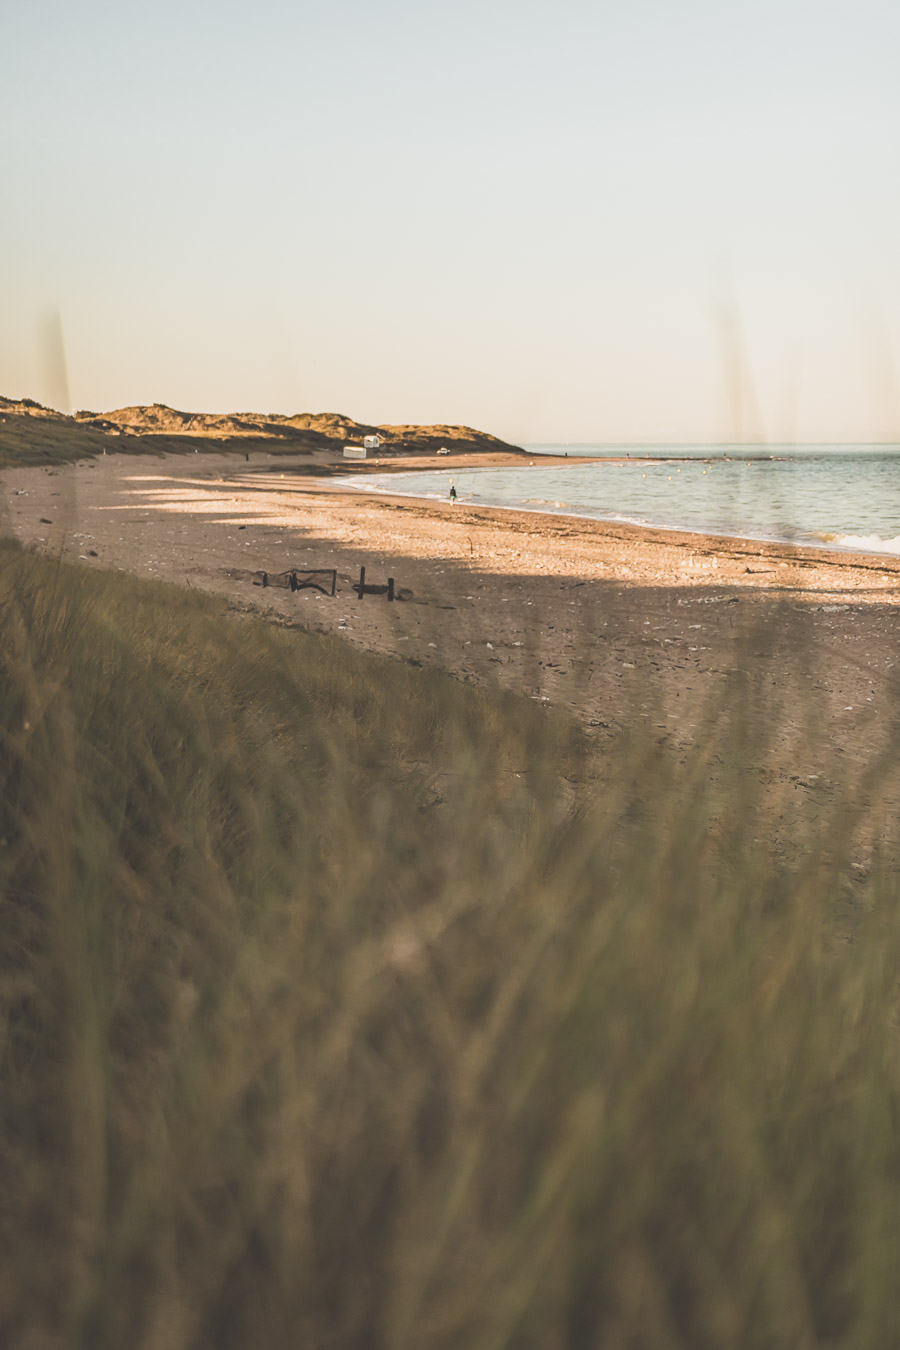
(346, 1007)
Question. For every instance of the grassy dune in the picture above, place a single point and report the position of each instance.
(346, 1006)
(31, 434)
(26, 441)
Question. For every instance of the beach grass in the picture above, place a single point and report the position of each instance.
(347, 1006)
(50, 442)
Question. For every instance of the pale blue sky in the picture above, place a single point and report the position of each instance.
(569, 221)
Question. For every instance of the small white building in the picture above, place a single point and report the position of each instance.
(354, 451)
(371, 442)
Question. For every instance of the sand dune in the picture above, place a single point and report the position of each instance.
(20, 419)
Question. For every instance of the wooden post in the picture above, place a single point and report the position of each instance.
(333, 581)
(362, 581)
(390, 588)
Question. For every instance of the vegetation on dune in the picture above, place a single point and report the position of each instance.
(334, 1015)
(27, 440)
(33, 434)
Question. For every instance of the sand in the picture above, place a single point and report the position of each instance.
(618, 625)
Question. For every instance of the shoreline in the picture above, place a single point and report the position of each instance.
(617, 624)
(282, 492)
(817, 551)
(633, 532)
(460, 463)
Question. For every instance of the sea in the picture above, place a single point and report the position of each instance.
(844, 497)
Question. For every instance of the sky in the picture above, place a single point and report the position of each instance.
(563, 221)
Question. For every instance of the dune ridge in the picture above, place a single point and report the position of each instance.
(29, 429)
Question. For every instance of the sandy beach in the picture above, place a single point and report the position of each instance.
(614, 623)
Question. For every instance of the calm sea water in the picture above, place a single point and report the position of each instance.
(844, 497)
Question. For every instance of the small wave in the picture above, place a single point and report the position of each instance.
(870, 543)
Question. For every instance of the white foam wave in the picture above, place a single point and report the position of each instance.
(871, 543)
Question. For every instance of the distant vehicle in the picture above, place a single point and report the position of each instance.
(444, 451)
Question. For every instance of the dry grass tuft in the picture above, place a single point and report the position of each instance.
(334, 1016)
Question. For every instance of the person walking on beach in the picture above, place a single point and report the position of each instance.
(452, 493)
